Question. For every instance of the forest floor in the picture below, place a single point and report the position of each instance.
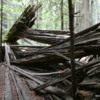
(29, 94)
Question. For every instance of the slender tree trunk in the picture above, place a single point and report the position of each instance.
(1, 14)
(37, 17)
(62, 16)
(71, 27)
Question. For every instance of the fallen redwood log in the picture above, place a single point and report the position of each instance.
(42, 88)
(85, 45)
(56, 32)
(48, 68)
(48, 38)
(22, 29)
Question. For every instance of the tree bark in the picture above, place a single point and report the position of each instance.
(72, 48)
(62, 16)
(1, 14)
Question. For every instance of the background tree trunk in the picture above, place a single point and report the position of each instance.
(0, 29)
(62, 16)
(88, 14)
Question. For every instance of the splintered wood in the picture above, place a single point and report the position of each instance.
(44, 72)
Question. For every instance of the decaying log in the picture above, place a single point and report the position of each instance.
(44, 72)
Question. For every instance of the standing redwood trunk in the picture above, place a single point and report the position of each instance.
(62, 16)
